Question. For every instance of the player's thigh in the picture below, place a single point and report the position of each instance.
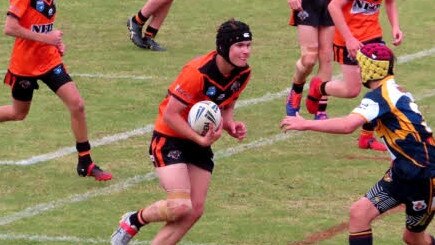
(200, 181)
(308, 36)
(174, 177)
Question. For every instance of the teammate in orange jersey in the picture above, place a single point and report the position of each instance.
(183, 158)
(357, 23)
(315, 31)
(410, 180)
(155, 11)
(36, 55)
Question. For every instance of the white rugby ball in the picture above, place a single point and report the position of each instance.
(202, 114)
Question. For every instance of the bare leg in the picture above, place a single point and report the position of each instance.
(326, 35)
(349, 87)
(15, 112)
(159, 16)
(152, 6)
(70, 96)
(173, 232)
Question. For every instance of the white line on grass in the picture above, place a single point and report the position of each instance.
(74, 240)
(148, 128)
(105, 76)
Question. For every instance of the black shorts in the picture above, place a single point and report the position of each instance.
(165, 150)
(341, 55)
(315, 13)
(22, 87)
(417, 195)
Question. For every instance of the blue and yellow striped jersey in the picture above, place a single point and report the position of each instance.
(402, 127)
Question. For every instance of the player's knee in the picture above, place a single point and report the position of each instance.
(308, 60)
(178, 208)
(197, 211)
(78, 106)
(357, 212)
(352, 92)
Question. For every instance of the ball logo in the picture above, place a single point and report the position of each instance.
(203, 115)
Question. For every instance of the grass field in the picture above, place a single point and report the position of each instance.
(272, 188)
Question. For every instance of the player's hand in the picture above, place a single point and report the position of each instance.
(211, 136)
(292, 123)
(54, 38)
(237, 130)
(61, 48)
(397, 37)
(295, 4)
(353, 45)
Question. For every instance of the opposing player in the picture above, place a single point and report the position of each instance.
(36, 55)
(183, 159)
(155, 12)
(411, 177)
(357, 23)
(315, 31)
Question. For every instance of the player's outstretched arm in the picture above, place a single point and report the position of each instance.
(339, 125)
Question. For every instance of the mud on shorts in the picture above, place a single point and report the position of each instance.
(341, 55)
(165, 150)
(315, 13)
(418, 197)
(22, 86)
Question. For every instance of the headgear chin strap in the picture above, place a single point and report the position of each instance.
(229, 33)
(376, 61)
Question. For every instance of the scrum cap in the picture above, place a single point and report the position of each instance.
(229, 33)
(376, 61)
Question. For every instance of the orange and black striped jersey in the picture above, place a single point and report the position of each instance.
(31, 58)
(362, 18)
(200, 79)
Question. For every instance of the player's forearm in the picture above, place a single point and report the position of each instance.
(333, 126)
(337, 16)
(392, 13)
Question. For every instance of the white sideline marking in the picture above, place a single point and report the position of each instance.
(75, 240)
(104, 76)
(148, 128)
(45, 207)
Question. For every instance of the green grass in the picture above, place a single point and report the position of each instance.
(275, 193)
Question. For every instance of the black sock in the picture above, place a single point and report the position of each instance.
(134, 220)
(361, 238)
(151, 32)
(323, 103)
(323, 88)
(139, 19)
(298, 88)
(84, 151)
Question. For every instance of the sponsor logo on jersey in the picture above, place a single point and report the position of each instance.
(46, 28)
(40, 6)
(365, 7)
(235, 86)
(221, 97)
(211, 91)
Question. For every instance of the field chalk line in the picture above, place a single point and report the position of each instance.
(148, 128)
